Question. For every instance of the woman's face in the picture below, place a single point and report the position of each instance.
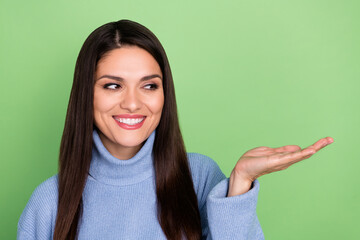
(128, 99)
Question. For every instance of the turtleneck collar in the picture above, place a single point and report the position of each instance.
(110, 170)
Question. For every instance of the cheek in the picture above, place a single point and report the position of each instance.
(102, 103)
(157, 104)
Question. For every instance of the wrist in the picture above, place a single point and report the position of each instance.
(238, 184)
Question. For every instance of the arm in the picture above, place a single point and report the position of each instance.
(233, 217)
(37, 219)
(23, 234)
(224, 217)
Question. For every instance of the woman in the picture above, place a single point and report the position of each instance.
(123, 169)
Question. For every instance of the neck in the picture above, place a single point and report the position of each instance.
(120, 152)
(111, 170)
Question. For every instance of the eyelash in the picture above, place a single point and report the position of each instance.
(106, 86)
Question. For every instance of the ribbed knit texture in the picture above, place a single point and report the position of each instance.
(120, 201)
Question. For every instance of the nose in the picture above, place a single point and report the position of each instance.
(131, 100)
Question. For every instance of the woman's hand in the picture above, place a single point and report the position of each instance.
(263, 160)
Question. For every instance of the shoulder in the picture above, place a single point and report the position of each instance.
(46, 192)
(199, 162)
(41, 207)
(205, 172)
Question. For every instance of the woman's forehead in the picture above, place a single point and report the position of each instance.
(128, 61)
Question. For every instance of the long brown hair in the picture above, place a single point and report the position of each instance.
(177, 206)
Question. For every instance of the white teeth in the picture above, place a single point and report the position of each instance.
(130, 121)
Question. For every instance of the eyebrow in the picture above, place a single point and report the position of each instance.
(120, 79)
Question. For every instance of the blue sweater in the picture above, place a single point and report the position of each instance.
(119, 201)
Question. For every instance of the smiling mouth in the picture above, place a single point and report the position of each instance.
(129, 121)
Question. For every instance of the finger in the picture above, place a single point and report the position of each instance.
(309, 151)
(259, 151)
(292, 157)
(287, 148)
(321, 144)
(305, 156)
(287, 164)
(285, 159)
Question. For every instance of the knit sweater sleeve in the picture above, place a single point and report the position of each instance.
(38, 217)
(224, 217)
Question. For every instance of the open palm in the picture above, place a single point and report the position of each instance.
(263, 160)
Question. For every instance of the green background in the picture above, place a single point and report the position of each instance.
(247, 74)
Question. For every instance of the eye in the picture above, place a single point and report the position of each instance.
(111, 86)
(151, 86)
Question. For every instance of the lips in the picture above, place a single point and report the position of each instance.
(129, 122)
(129, 116)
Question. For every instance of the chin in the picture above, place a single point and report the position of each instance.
(129, 141)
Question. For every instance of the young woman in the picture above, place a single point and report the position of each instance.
(123, 169)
